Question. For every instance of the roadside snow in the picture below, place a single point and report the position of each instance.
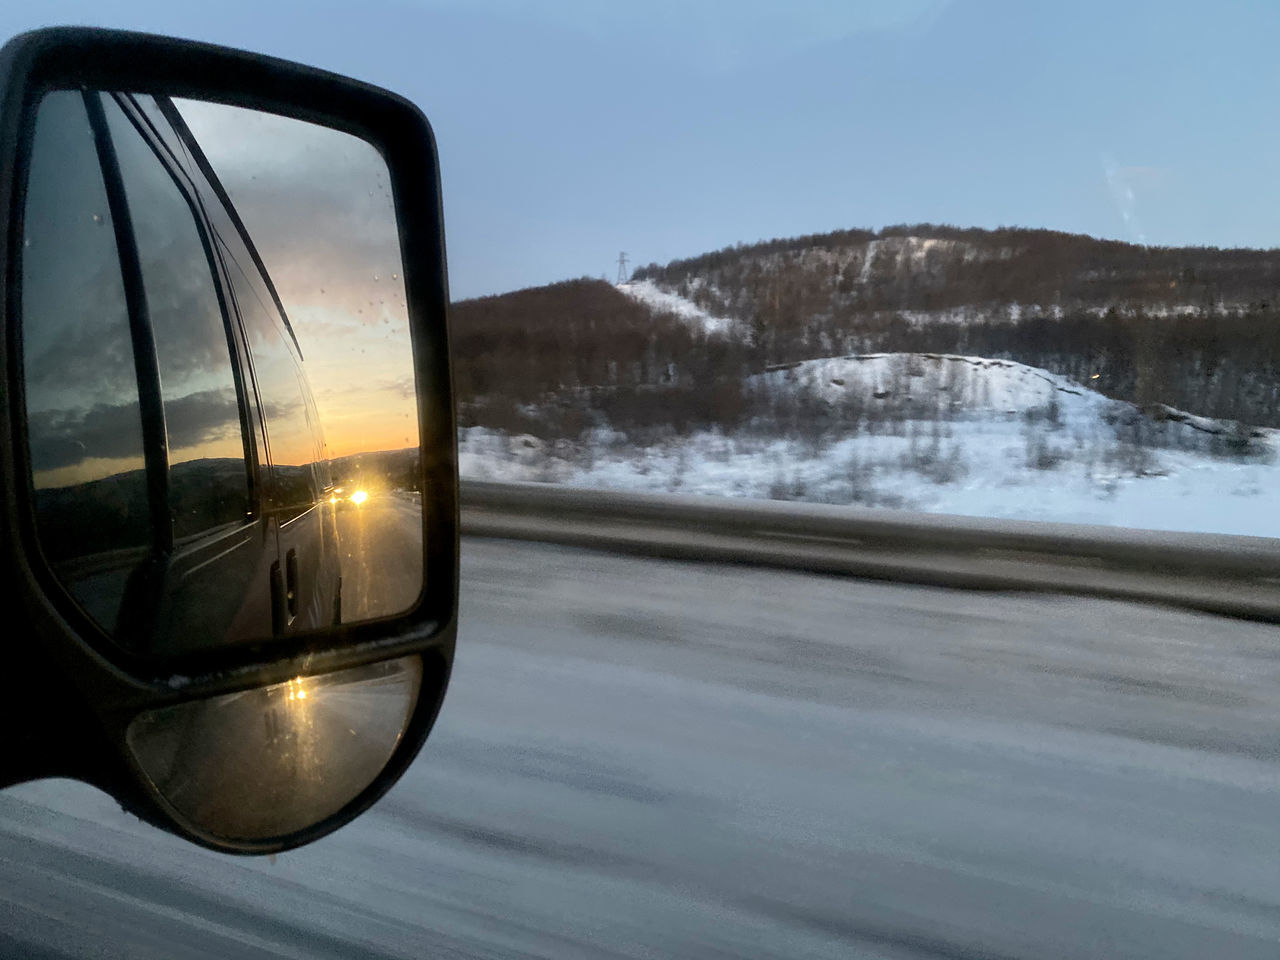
(968, 436)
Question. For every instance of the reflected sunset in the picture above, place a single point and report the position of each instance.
(318, 204)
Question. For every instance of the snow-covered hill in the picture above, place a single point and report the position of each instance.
(945, 434)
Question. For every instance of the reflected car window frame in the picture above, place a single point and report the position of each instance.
(93, 568)
(213, 588)
(238, 256)
(178, 165)
(295, 498)
(130, 107)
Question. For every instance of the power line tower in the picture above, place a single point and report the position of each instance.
(622, 268)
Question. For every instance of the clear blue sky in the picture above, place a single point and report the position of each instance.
(666, 128)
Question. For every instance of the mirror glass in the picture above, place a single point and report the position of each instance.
(220, 399)
(274, 760)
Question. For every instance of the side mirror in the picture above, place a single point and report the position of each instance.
(227, 455)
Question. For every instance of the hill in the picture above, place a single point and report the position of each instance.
(811, 345)
(1195, 327)
(926, 267)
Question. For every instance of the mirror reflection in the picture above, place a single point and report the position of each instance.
(273, 760)
(220, 399)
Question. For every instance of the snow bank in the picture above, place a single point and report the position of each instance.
(978, 437)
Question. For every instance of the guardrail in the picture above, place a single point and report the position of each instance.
(1232, 575)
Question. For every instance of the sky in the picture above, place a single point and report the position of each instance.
(571, 131)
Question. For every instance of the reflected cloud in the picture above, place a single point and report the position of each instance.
(80, 356)
(64, 438)
(202, 417)
(1120, 184)
(404, 387)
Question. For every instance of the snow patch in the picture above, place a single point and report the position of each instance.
(656, 298)
(932, 379)
(868, 258)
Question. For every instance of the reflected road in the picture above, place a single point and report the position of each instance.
(643, 758)
(266, 762)
(381, 555)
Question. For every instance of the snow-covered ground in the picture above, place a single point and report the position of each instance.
(943, 434)
(656, 298)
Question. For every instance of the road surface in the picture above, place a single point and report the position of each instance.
(381, 556)
(649, 759)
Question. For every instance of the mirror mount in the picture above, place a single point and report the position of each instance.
(72, 683)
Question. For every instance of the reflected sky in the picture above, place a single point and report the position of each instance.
(81, 393)
(318, 205)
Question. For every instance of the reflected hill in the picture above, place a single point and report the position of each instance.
(381, 470)
(111, 512)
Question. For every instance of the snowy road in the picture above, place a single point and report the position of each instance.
(382, 557)
(641, 758)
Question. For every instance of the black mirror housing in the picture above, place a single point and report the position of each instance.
(71, 694)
